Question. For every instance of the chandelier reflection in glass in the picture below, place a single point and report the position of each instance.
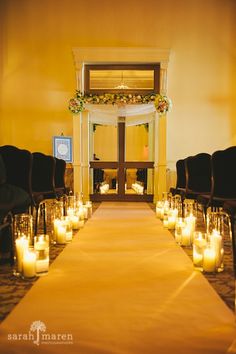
(122, 85)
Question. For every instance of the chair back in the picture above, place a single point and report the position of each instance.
(181, 174)
(60, 170)
(18, 165)
(43, 173)
(224, 173)
(198, 173)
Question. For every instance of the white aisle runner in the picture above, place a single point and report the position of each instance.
(122, 286)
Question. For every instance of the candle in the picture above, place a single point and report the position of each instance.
(199, 245)
(75, 222)
(85, 212)
(186, 236)
(41, 246)
(217, 244)
(22, 245)
(61, 234)
(56, 223)
(81, 213)
(171, 222)
(179, 225)
(42, 266)
(70, 211)
(89, 208)
(165, 222)
(29, 264)
(209, 260)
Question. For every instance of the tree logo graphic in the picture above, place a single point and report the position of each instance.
(37, 326)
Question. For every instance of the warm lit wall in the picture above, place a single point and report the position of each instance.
(38, 76)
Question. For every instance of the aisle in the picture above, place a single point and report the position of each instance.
(122, 286)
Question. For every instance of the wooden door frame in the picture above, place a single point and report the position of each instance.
(121, 165)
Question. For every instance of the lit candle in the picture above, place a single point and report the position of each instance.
(199, 245)
(41, 246)
(22, 245)
(171, 222)
(180, 224)
(81, 213)
(70, 211)
(85, 212)
(209, 260)
(61, 234)
(75, 222)
(165, 222)
(186, 236)
(217, 244)
(56, 223)
(29, 264)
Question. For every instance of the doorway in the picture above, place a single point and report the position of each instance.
(121, 165)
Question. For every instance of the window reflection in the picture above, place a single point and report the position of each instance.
(105, 181)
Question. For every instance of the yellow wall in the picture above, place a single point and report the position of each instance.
(37, 74)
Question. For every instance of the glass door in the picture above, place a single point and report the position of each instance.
(121, 162)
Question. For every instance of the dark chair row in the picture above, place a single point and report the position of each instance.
(40, 175)
(211, 180)
(27, 179)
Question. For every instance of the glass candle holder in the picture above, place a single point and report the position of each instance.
(23, 226)
(159, 206)
(179, 225)
(21, 245)
(41, 247)
(199, 245)
(189, 207)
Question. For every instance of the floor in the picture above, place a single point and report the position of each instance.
(124, 286)
(13, 289)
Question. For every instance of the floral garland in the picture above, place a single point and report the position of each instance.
(162, 103)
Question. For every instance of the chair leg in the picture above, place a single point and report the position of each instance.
(44, 218)
(36, 219)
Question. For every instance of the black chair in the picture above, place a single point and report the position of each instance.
(181, 178)
(13, 199)
(43, 184)
(59, 178)
(198, 175)
(18, 164)
(223, 179)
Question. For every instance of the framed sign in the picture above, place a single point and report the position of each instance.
(62, 148)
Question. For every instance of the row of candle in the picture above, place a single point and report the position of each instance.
(208, 250)
(63, 227)
(32, 261)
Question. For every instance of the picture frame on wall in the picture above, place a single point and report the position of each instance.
(62, 148)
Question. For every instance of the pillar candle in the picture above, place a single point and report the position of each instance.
(75, 222)
(217, 244)
(61, 234)
(186, 236)
(209, 260)
(29, 264)
(22, 245)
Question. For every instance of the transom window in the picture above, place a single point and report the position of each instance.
(127, 78)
